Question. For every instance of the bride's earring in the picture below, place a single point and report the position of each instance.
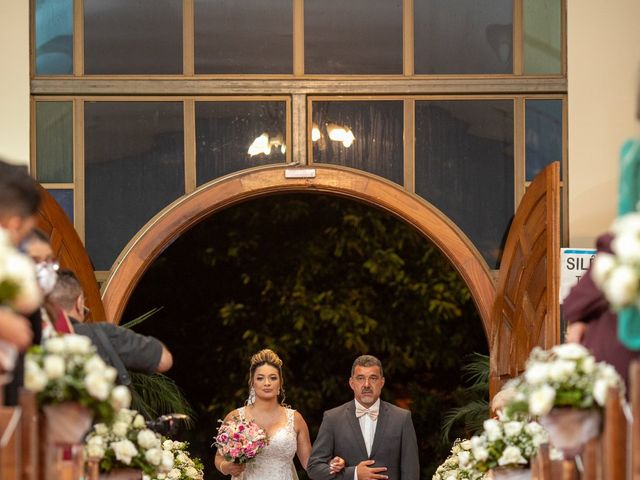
(281, 392)
(252, 396)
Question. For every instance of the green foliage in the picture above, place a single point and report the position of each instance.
(157, 394)
(320, 280)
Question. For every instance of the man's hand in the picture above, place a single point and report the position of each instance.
(336, 465)
(367, 473)
(575, 332)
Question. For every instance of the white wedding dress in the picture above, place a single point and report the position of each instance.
(275, 462)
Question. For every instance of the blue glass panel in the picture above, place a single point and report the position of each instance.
(54, 37)
(64, 197)
(464, 166)
(544, 135)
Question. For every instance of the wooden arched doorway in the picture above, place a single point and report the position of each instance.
(250, 184)
(518, 312)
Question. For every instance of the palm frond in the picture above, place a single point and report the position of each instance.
(141, 318)
(157, 394)
(473, 414)
(477, 371)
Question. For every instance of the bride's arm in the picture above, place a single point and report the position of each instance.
(224, 466)
(304, 441)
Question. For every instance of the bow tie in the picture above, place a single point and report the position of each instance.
(361, 411)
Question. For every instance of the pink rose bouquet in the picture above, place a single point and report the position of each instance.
(239, 441)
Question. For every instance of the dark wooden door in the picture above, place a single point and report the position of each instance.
(70, 252)
(526, 310)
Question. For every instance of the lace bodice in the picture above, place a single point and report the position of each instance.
(275, 462)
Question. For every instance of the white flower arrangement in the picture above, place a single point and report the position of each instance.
(565, 376)
(127, 442)
(67, 369)
(18, 285)
(618, 274)
(459, 465)
(506, 443)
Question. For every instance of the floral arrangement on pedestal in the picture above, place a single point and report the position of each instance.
(128, 443)
(506, 443)
(459, 465)
(565, 376)
(617, 274)
(18, 285)
(67, 369)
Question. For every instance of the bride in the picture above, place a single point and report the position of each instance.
(286, 429)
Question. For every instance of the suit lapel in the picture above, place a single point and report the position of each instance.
(383, 418)
(350, 413)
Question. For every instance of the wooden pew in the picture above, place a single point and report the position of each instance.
(614, 438)
(10, 443)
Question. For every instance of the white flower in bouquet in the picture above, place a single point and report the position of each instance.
(167, 445)
(78, 344)
(512, 456)
(570, 351)
(121, 397)
(34, 377)
(101, 429)
(124, 450)
(493, 429)
(97, 386)
(541, 400)
(174, 474)
(153, 456)
(18, 285)
(139, 422)
(512, 428)
(191, 472)
(54, 366)
(538, 373)
(167, 461)
(95, 447)
(621, 286)
(602, 267)
(148, 439)
(627, 247)
(94, 364)
(120, 429)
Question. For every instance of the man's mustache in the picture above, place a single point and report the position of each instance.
(367, 390)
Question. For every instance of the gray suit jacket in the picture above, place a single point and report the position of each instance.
(394, 445)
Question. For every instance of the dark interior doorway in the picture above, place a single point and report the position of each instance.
(320, 279)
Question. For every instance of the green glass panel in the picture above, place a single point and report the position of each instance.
(54, 142)
(542, 37)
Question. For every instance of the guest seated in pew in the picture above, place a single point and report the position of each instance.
(118, 346)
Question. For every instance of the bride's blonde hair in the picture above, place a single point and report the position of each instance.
(266, 357)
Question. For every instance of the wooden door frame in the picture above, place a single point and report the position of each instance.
(250, 184)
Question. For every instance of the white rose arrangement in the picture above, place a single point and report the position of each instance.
(506, 443)
(68, 369)
(127, 442)
(565, 376)
(459, 465)
(18, 285)
(618, 274)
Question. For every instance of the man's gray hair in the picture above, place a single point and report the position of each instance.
(366, 361)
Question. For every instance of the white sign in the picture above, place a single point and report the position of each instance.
(574, 263)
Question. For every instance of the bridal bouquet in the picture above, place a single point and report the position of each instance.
(239, 441)
(67, 369)
(459, 465)
(127, 442)
(18, 286)
(565, 376)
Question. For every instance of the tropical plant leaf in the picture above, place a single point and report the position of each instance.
(473, 414)
(157, 394)
(141, 318)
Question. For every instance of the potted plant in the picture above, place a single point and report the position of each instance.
(566, 388)
(128, 449)
(73, 386)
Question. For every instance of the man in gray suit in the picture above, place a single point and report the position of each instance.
(376, 439)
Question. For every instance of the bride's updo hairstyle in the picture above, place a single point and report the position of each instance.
(266, 357)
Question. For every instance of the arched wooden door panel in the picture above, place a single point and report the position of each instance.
(178, 217)
(70, 251)
(526, 312)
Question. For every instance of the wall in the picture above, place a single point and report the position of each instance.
(14, 81)
(604, 58)
(604, 62)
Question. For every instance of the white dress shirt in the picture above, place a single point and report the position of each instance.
(368, 428)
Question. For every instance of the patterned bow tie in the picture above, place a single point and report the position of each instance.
(360, 411)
